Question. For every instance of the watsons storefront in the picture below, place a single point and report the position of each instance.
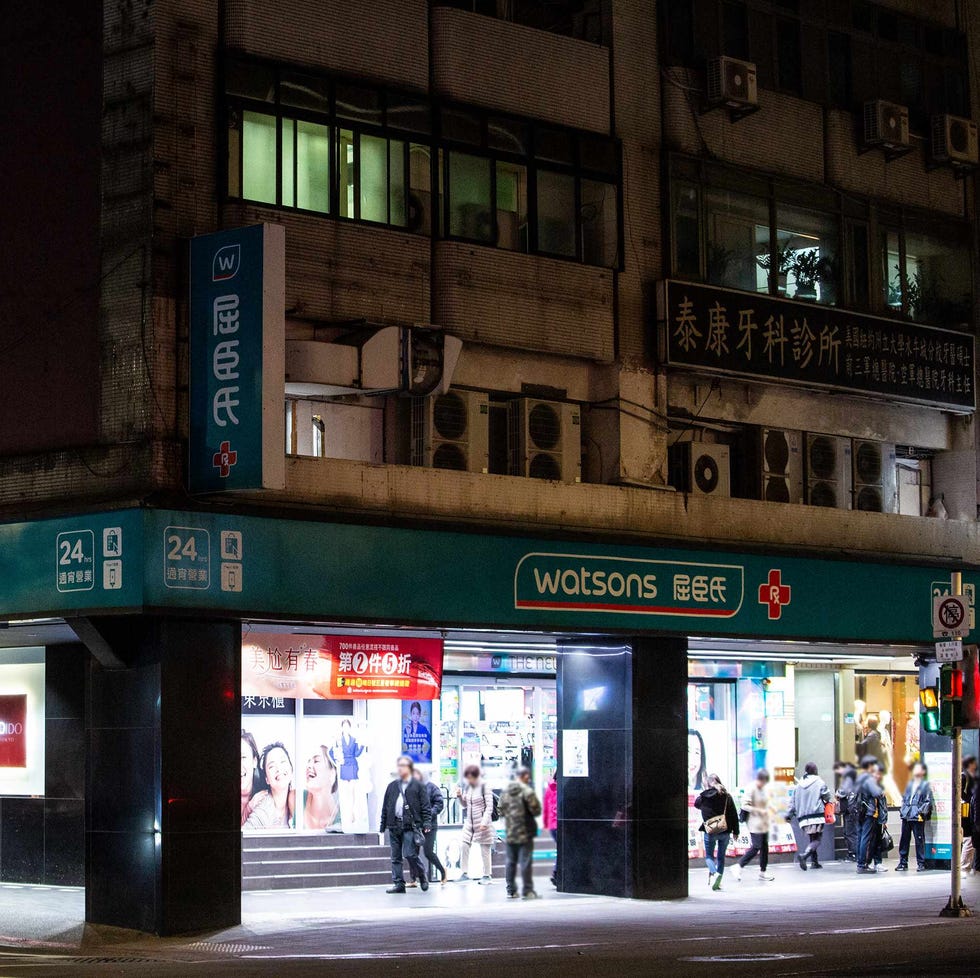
(347, 645)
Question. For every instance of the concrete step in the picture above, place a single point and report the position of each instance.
(307, 852)
(317, 880)
(301, 840)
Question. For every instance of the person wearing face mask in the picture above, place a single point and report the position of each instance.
(275, 806)
(407, 816)
(917, 805)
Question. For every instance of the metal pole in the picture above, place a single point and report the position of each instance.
(955, 906)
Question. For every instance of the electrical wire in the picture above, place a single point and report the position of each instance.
(715, 386)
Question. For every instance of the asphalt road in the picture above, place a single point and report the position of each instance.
(828, 923)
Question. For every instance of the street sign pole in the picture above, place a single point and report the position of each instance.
(955, 907)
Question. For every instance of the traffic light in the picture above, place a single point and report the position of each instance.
(929, 709)
(951, 698)
(971, 688)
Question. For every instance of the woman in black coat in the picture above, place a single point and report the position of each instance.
(720, 822)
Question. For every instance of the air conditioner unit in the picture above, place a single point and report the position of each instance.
(874, 476)
(886, 125)
(732, 83)
(954, 141)
(828, 471)
(545, 440)
(781, 456)
(700, 467)
(451, 431)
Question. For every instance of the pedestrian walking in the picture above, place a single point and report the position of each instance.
(755, 806)
(846, 804)
(476, 799)
(970, 817)
(407, 816)
(519, 808)
(720, 821)
(551, 822)
(917, 807)
(436, 803)
(809, 809)
(872, 816)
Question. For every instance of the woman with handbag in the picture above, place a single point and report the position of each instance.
(720, 822)
(811, 807)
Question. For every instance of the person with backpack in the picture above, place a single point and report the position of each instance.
(809, 809)
(479, 813)
(436, 803)
(917, 805)
(519, 808)
(872, 816)
(755, 813)
(720, 823)
(846, 803)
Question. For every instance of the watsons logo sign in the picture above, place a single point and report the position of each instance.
(620, 585)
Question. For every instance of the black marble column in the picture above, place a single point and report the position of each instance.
(622, 830)
(163, 832)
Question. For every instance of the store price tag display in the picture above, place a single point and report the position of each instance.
(951, 651)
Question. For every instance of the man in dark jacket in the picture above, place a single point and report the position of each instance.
(405, 812)
(917, 806)
(872, 816)
(846, 800)
(519, 808)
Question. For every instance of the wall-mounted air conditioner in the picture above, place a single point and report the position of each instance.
(874, 476)
(828, 471)
(451, 431)
(886, 127)
(732, 83)
(954, 141)
(781, 461)
(701, 468)
(545, 440)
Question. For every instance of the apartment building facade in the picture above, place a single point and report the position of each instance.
(706, 271)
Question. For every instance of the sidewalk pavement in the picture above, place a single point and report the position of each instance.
(829, 909)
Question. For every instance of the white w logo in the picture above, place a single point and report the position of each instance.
(226, 263)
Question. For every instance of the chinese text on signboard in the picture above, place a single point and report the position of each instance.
(769, 338)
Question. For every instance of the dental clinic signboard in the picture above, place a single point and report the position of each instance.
(237, 360)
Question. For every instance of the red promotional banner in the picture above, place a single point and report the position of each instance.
(13, 724)
(341, 667)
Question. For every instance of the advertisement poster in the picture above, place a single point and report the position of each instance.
(342, 666)
(939, 829)
(416, 730)
(22, 724)
(781, 838)
(13, 731)
(268, 773)
(575, 753)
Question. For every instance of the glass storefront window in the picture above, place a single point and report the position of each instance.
(806, 246)
(738, 255)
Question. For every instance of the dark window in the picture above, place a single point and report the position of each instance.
(839, 82)
(858, 265)
(788, 68)
(864, 16)
(679, 24)
(735, 30)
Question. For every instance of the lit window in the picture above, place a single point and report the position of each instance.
(259, 157)
(470, 213)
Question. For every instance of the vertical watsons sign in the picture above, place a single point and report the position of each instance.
(570, 582)
(237, 351)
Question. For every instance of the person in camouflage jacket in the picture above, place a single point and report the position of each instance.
(519, 808)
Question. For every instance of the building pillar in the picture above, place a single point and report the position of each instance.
(163, 817)
(622, 829)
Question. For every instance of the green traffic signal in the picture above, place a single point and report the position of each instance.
(929, 709)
